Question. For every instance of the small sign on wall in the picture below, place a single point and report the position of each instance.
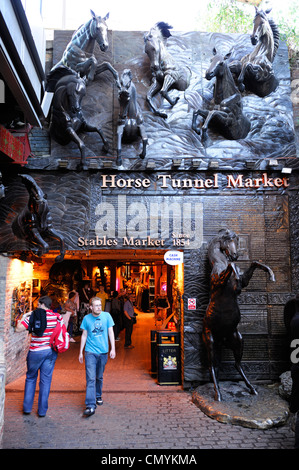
(191, 304)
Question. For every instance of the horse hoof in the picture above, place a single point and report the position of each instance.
(105, 148)
(119, 162)
(142, 156)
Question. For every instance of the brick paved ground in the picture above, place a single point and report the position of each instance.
(141, 420)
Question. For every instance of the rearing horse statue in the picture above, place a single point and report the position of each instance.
(255, 70)
(166, 73)
(67, 119)
(130, 120)
(223, 314)
(79, 53)
(226, 109)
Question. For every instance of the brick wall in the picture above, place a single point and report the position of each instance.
(16, 344)
(13, 346)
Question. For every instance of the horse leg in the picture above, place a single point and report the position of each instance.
(40, 246)
(213, 359)
(50, 232)
(211, 115)
(241, 77)
(168, 81)
(144, 140)
(75, 138)
(154, 89)
(107, 66)
(87, 68)
(199, 112)
(236, 344)
(247, 275)
(120, 131)
(89, 128)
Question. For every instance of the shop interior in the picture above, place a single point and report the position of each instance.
(158, 289)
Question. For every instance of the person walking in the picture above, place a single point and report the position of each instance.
(41, 357)
(103, 296)
(116, 314)
(129, 318)
(69, 313)
(97, 332)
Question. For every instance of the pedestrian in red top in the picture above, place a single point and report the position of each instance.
(41, 357)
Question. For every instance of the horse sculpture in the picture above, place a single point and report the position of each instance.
(130, 121)
(226, 114)
(255, 70)
(223, 314)
(34, 223)
(166, 73)
(79, 55)
(67, 118)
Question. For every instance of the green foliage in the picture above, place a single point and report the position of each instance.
(228, 16)
(231, 16)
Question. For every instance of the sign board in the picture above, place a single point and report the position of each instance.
(174, 257)
(191, 304)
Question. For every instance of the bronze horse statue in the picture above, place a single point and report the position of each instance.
(130, 121)
(67, 119)
(79, 53)
(254, 71)
(34, 223)
(226, 113)
(223, 314)
(166, 73)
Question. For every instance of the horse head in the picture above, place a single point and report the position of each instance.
(228, 244)
(125, 86)
(99, 30)
(217, 66)
(260, 25)
(225, 85)
(152, 49)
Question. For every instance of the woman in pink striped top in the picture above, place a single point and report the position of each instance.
(41, 357)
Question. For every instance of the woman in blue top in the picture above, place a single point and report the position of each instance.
(97, 331)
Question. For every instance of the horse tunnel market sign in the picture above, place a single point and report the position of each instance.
(166, 181)
(163, 211)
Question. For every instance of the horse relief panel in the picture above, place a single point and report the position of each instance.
(202, 96)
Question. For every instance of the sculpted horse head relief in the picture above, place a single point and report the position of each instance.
(79, 52)
(167, 74)
(255, 71)
(225, 113)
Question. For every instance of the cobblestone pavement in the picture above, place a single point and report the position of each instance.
(140, 420)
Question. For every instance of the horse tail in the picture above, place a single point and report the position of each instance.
(276, 35)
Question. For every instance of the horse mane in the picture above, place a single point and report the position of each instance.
(164, 28)
(56, 74)
(276, 35)
(272, 26)
(160, 29)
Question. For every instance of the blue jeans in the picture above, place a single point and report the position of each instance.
(94, 368)
(43, 361)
